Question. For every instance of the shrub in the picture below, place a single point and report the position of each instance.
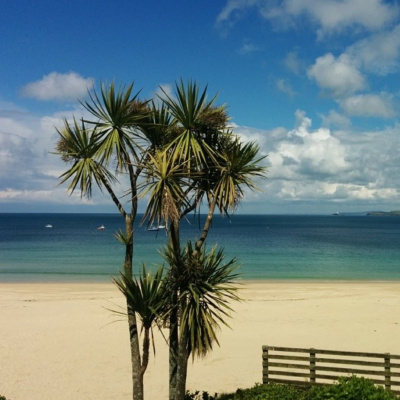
(198, 396)
(258, 392)
(266, 392)
(354, 388)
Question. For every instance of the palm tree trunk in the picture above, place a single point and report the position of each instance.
(173, 351)
(181, 375)
(181, 354)
(206, 228)
(137, 376)
(174, 317)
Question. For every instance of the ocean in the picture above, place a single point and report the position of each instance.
(267, 247)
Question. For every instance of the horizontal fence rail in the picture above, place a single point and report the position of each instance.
(316, 367)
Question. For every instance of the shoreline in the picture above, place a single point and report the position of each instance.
(11, 278)
(61, 340)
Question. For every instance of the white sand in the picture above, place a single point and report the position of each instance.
(60, 341)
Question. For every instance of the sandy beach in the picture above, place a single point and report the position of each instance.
(63, 341)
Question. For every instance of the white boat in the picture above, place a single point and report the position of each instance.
(101, 228)
(49, 226)
(156, 228)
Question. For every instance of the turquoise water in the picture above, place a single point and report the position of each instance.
(267, 246)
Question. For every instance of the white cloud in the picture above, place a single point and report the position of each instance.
(378, 53)
(285, 87)
(247, 48)
(304, 152)
(369, 105)
(165, 89)
(29, 172)
(293, 62)
(337, 15)
(56, 86)
(306, 165)
(233, 10)
(330, 16)
(337, 75)
(16, 143)
(323, 166)
(336, 193)
(336, 119)
(26, 142)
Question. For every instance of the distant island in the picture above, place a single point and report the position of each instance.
(395, 213)
(383, 213)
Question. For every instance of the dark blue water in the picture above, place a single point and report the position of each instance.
(267, 247)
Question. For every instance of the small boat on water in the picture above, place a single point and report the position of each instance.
(156, 228)
(101, 228)
(49, 226)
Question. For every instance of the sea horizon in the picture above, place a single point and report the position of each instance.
(278, 247)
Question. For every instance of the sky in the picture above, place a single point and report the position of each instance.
(315, 83)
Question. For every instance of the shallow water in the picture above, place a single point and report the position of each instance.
(266, 246)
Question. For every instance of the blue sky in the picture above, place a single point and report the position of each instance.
(314, 82)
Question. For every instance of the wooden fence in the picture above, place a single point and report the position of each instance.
(315, 367)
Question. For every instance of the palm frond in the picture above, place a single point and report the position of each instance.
(165, 187)
(144, 295)
(123, 237)
(207, 286)
(117, 120)
(78, 145)
(239, 167)
(188, 110)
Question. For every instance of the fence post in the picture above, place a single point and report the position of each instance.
(265, 365)
(387, 371)
(312, 366)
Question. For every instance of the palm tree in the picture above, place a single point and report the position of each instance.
(187, 156)
(173, 180)
(200, 295)
(145, 296)
(204, 162)
(100, 151)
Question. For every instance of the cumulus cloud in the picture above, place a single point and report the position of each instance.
(304, 152)
(333, 166)
(330, 16)
(26, 164)
(337, 15)
(307, 165)
(369, 105)
(378, 53)
(29, 172)
(56, 86)
(27, 167)
(333, 118)
(339, 76)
